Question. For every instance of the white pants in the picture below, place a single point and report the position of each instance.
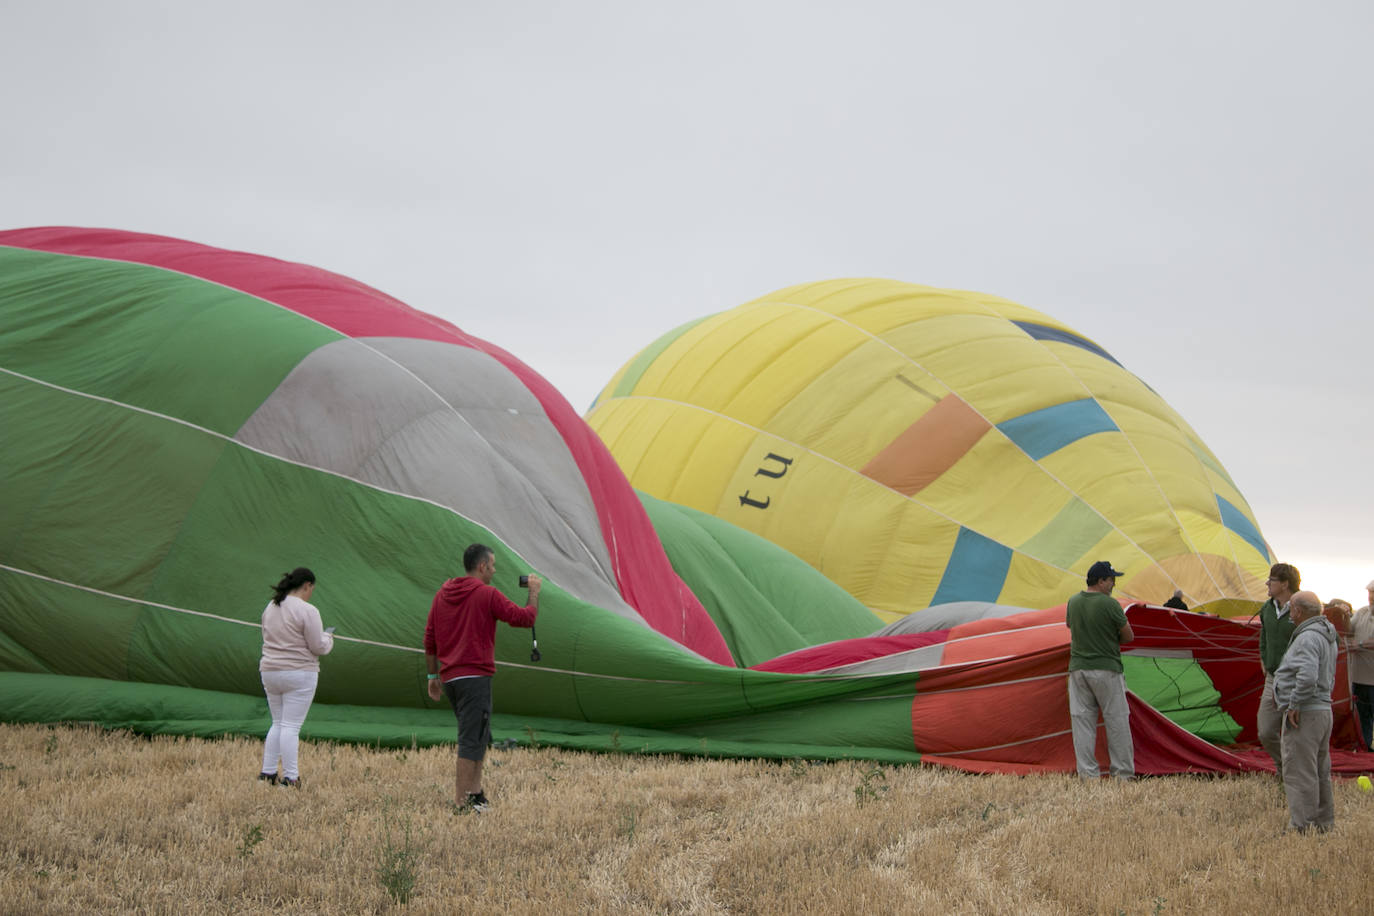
(288, 697)
(1090, 691)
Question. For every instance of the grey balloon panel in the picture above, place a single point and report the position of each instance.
(504, 413)
(354, 409)
(944, 616)
(896, 663)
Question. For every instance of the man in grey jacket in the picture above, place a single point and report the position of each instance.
(1302, 692)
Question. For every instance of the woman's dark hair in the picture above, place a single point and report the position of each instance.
(290, 582)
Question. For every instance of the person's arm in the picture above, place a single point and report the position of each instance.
(433, 687)
(1282, 682)
(512, 613)
(1359, 621)
(1301, 686)
(1124, 632)
(1305, 661)
(318, 641)
(1264, 643)
(432, 683)
(1289, 681)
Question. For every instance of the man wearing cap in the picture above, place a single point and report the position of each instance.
(1362, 666)
(1276, 628)
(1097, 628)
(1302, 690)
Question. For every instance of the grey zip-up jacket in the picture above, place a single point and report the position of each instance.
(1306, 676)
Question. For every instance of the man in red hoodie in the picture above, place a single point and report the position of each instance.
(460, 651)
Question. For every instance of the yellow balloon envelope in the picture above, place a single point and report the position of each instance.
(921, 446)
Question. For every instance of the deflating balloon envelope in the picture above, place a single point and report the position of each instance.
(181, 423)
(921, 446)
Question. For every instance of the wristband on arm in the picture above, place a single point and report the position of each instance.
(434, 677)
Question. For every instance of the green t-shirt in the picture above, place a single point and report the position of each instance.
(1095, 621)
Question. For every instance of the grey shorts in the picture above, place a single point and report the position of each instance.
(470, 698)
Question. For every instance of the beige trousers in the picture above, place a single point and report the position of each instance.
(1269, 724)
(1307, 770)
(1089, 692)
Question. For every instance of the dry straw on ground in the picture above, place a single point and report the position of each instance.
(110, 822)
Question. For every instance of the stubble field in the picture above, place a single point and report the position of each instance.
(99, 821)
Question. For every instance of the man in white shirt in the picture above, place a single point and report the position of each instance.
(1362, 666)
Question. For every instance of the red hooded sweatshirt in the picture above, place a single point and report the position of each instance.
(461, 629)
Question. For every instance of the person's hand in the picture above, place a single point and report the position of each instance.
(536, 583)
(436, 690)
(1292, 717)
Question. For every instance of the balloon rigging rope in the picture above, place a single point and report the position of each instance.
(252, 448)
(183, 610)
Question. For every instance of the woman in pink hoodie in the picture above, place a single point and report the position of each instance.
(292, 641)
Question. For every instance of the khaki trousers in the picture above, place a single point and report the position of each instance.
(1307, 770)
(1089, 692)
(1269, 724)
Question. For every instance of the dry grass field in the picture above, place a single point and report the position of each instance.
(111, 822)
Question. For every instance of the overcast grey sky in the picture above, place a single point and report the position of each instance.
(1187, 183)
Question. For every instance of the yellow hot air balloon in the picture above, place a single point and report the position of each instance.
(921, 446)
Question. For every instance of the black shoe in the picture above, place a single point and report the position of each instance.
(270, 778)
(293, 783)
(477, 802)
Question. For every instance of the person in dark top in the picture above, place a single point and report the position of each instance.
(1276, 628)
(1176, 601)
(1097, 628)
